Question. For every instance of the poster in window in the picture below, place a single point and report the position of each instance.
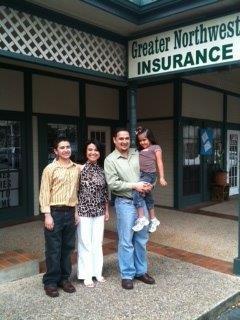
(206, 141)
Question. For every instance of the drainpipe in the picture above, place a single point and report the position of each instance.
(132, 111)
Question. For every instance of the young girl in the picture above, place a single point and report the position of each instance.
(150, 157)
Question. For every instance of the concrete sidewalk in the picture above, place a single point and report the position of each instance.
(230, 207)
(182, 292)
(206, 235)
(210, 236)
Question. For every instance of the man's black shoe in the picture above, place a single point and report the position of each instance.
(127, 284)
(51, 291)
(67, 286)
(146, 278)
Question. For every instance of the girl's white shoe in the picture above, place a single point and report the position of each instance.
(154, 223)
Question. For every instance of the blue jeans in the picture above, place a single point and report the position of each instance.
(132, 253)
(59, 244)
(139, 200)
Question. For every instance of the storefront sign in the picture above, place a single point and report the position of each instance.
(212, 42)
(8, 189)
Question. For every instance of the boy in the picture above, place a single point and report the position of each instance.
(58, 199)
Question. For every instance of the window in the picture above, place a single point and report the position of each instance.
(10, 163)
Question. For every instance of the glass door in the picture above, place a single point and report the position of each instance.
(12, 171)
(191, 161)
(233, 159)
(210, 163)
(10, 163)
(69, 131)
(49, 128)
(197, 170)
(103, 135)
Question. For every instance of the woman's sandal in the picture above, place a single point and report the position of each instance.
(101, 279)
(89, 284)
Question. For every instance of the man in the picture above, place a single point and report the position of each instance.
(122, 175)
(58, 199)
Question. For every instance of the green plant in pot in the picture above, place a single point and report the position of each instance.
(220, 175)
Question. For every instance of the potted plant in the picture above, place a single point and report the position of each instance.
(221, 175)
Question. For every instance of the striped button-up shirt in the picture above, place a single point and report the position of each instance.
(59, 186)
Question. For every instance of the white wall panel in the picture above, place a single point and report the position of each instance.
(11, 90)
(233, 109)
(201, 103)
(55, 96)
(102, 102)
(222, 79)
(155, 101)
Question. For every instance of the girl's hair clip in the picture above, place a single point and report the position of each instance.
(138, 130)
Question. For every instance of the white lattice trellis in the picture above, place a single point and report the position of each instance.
(36, 37)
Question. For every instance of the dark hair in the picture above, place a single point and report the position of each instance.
(99, 147)
(148, 133)
(58, 140)
(115, 132)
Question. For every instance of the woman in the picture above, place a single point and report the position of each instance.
(92, 211)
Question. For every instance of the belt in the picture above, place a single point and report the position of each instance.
(62, 208)
(128, 198)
